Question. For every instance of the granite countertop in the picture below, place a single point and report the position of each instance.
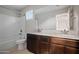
(57, 35)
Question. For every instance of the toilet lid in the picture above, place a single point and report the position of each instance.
(20, 41)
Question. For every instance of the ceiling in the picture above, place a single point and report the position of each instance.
(14, 7)
(45, 7)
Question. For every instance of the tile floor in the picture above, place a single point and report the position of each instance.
(22, 52)
(14, 50)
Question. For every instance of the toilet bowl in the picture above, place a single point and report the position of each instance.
(21, 44)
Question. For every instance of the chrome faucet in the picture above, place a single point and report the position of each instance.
(65, 31)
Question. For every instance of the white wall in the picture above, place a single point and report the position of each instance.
(10, 26)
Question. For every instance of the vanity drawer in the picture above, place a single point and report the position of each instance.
(58, 40)
(44, 39)
(72, 43)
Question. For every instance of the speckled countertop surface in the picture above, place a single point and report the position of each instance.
(57, 35)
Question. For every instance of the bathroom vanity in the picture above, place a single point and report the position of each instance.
(52, 43)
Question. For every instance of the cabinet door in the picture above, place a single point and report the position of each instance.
(32, 42)
(57, 49)
(44, 44)
(43, 48)
(71, 50)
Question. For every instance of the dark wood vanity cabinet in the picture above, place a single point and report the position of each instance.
(32, 43)
(51, 45)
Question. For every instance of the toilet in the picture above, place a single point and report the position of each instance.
(21, 44)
